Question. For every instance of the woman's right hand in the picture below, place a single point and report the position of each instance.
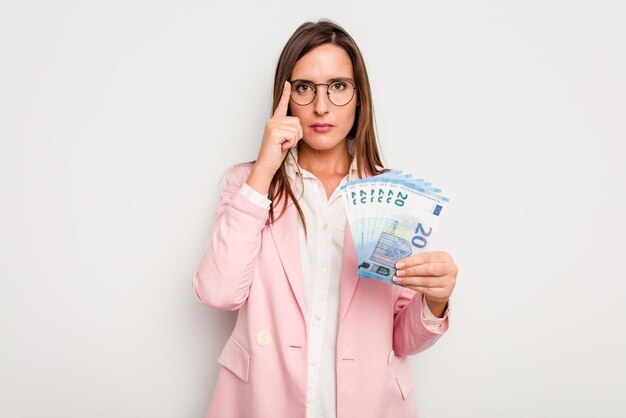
(281, 133)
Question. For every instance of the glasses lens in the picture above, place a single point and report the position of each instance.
(302, 93)
(340, 93)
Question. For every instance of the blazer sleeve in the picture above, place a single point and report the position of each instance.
(410, 334)
(222, 279)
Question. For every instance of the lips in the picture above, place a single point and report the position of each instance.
(322, 127)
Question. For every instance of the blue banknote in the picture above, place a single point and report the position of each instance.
(391, 216)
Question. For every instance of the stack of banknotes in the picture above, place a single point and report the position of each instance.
(391, 216)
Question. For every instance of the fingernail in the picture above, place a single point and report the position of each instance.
(399, 264)
(396, 279)
(401, 272)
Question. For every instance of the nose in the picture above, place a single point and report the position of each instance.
(321, 103)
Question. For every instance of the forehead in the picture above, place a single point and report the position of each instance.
(323, 63)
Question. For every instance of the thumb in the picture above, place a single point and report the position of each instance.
(283, 105)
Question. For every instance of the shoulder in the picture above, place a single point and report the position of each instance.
(237, 174)
(379, 170)
(241, 169)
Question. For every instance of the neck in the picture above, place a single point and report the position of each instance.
(335, 161)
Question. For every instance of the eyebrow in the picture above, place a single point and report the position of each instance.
(330, 80)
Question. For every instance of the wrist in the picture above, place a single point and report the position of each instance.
(437, 307)
(260, 178)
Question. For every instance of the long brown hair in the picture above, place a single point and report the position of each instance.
(308, 36)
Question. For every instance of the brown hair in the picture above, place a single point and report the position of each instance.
(308, 36)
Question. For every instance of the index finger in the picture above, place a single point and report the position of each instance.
(422, 258)
(283, 104)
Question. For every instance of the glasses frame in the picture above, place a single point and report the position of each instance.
(327, 92)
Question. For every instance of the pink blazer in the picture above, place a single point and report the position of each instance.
(254, 267)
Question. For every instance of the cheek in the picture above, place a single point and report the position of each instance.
(350, 117)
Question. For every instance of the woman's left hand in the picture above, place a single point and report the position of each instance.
(431, 273)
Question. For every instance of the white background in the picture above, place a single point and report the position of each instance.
(118, 118)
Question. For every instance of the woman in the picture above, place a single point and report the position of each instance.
(311, 339)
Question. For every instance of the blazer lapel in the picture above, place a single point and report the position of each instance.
(287, 242)
(286, 239)
(348, 278)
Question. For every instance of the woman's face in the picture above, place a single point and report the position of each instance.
(324, 64)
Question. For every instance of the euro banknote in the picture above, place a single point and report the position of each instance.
(391, 216)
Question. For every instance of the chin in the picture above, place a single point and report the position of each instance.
(322, 143)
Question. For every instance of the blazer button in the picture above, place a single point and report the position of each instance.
(263, 338)
(390, 357)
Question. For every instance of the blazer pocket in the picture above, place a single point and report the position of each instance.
(404, 378)
(236, 359)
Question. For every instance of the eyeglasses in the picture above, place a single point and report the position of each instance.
(340, 93)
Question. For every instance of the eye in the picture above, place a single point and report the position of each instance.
(304, 88)
(338, 86)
